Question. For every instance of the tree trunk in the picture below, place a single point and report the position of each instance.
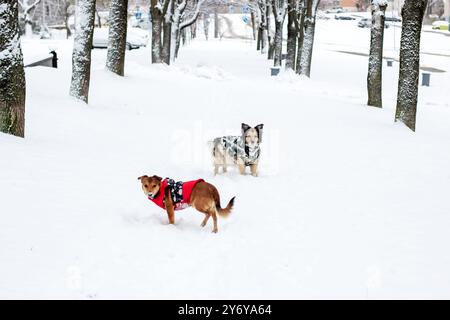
(117, 41)
(270, 42)
(216, 23)
(292, 35)
(252, 17)
(157, 20)
(99, 20)
(263, 28)
(81, 56)
(184, 37)
(66, 23)
(278, 43)
(194, 30)
(279, 8)
(174, 40)
(300, 35)
(264, 40)
(374, 75)
(308, 40)
(408, 82)
(206, 25)
(167, 35)
(12, 75)
(259, 39)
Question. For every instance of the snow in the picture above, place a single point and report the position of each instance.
(3, 7)
(379, 3)
(348, 204)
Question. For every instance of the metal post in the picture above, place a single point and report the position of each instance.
(426, 79)
(274, 71)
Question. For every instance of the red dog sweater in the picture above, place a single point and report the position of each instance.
(180, 192)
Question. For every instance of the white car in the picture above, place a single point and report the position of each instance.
(440, 25)
(136, 38)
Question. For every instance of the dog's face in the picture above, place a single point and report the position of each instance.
(252, 136)
(150, 185)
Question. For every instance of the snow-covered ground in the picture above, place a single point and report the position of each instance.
(347, 205)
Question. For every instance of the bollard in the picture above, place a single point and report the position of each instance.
(274, 71)
(54, 59)
(426, 79)
(390, 62)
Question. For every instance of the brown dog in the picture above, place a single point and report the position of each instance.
(172, 196)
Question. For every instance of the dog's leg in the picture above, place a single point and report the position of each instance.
(205, 221)
(241, 167)
(216, 169)
(224, 164)
(169, 206)
(214, 216)
(171, 214)
(254, 169)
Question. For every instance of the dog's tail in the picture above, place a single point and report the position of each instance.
(225, 212)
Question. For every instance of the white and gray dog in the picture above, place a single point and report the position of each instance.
(242, 151)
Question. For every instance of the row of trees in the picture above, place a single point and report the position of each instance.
(42, 14)
(412, 16)
(171, 18)
(301, 21)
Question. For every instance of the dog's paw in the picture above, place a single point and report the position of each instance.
(215, 231)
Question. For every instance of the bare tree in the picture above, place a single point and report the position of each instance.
(55, 13)
(158, 9)
(12, 75)
(81, 56)
(27, 7)
(185, 14)
(66, 9)
(206, 24)
(279, 8)
(300, 26)
(270, 38)
(374, 74)
(308, 40)
(216, 23)
(292, 34)
(117, 41)
(262, 29)
(408, 82)
(167, 32)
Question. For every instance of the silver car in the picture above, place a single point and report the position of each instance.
(135, 38)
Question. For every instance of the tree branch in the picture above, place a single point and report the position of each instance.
(191, 20)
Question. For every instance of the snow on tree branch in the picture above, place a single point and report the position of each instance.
(193, 16)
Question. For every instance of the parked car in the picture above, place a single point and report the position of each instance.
(440, 25)
(335, 10)
(322, 16)
(136, 38)
(344, 17)
(367, 23)
(393, 19)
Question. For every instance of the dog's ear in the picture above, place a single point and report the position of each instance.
(157, 178)
(259, 129)
(245, 127)
(140, 178)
